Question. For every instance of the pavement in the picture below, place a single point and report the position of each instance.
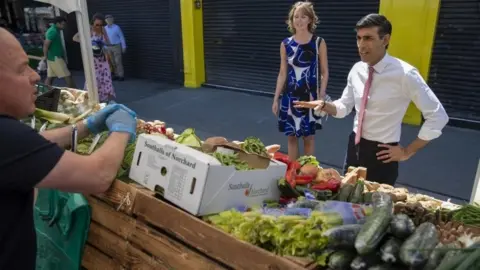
(446, 168)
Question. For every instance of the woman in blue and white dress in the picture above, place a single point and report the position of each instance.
(303, 76)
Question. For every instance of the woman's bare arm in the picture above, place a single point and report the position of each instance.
(323, 58)
(282, 74)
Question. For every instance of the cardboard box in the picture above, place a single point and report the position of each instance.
(196, 181)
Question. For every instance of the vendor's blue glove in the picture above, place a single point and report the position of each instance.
(96, 122)
(122, 121)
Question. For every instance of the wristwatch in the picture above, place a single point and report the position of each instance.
(74, 138)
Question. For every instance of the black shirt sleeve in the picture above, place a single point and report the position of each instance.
(25, 156)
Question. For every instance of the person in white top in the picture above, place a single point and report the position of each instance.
(380, 88)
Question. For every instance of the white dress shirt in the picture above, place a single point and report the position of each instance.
(395, 83)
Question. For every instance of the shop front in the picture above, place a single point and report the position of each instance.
(454, 73)
(242, 40)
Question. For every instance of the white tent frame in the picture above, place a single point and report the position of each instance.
(83, 25)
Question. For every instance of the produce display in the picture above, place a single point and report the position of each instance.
(340, 222)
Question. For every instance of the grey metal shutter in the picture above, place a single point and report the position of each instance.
(455, 66)
(242, 40)
(152, 29)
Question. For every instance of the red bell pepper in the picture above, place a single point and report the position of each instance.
(332, 185)
(304, 179)
(294, 165)
(290, 177)
(281, 157)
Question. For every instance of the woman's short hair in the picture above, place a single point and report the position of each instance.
(307, 8)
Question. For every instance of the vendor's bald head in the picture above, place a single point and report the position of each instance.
(17, 79)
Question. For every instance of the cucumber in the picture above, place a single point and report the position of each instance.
(437, 255)
(341, 260)
(402, 226)
(389, 251)
(357, 195)
(345, 192)
(381, 199)
(286, 189)
(343, 236)
(416, 250)
(364, 262)
(373, 231)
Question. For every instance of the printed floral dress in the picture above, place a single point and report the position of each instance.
(106, 91)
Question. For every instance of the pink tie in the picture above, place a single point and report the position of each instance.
(361, 114)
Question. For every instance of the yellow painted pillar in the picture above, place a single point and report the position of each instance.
(192, 39)
(414, 23)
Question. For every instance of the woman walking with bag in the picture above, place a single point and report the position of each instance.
(106, 91)
(303, 76)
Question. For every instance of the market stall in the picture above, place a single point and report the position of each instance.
(281, 214)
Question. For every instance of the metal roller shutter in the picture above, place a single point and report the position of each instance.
(152, 29)
(242, 40)
(455, 66)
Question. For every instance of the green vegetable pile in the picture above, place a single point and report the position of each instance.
(284, 235)
(468, 214)
(253, 145)
(189, 138)
(303, 160)
(231, 160)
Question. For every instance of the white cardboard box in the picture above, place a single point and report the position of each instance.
(197, 182)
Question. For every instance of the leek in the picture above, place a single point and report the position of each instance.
(52, 117)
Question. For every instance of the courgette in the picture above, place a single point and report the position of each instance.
(416, 250)
(437, 255)
(402, 226)
(357, 194)
(453, 259)
(366, 261)
(345, 192)
(389, 251)
(470, 261)
(341, 260)
(286, 190)
(373, 231)
(343, 236)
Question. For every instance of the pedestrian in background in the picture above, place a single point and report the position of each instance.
(54, 54)
(100, 41)
(117, 46)
(303, 76)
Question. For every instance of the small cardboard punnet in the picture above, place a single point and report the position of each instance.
(198, 182)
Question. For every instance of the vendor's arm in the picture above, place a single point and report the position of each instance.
(432, 110)
(28, 160)
(63, 136)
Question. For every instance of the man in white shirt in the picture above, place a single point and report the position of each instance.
(389, 85)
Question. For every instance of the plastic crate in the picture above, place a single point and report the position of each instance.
(47, 97)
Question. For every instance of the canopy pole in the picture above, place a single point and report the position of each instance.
(87, 53)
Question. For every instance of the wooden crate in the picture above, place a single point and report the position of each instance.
(131, 229)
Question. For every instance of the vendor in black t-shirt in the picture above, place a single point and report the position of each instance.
(30, 160)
